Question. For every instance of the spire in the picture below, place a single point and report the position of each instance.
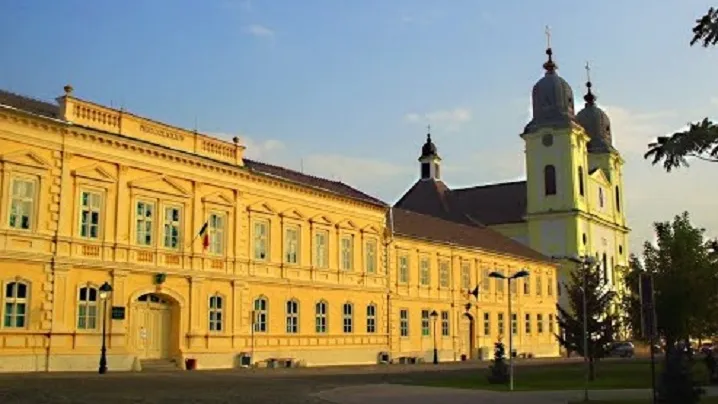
(590, 98)
(549, 65)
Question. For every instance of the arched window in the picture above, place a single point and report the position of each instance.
(16, 299)
(371, 319)
(260, 314)
(580, 181)
(216, 318)
(549, 177)
(618, 199)
(87, 308)
(320, 313)
(292, 314)
(348, 317)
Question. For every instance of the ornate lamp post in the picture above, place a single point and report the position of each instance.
(498, 275)
(434, 316)
(105, 291)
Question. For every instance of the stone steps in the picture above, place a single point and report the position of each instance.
(159, 365)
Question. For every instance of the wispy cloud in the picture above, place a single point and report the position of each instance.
(449, 120)
(259, 31)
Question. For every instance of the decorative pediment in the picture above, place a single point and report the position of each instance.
(292, 213)
(161, 185)
(94, 172)
(218, 198)
(262, 207)
(371, 229)
(600, 176)
(322, 220)
(25, 158)
(347, 224)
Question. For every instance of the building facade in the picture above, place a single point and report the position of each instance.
(217, 258)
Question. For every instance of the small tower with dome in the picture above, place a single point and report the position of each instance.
(429, 161)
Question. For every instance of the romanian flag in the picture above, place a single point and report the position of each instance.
(205, 235)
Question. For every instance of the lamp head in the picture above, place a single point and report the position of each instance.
(521, 274)
(498, 275)
(105, 290)
(434, 314)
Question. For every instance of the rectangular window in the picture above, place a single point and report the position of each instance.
(514, 288)
(347, 253)
(487, 324)
(90, 208)
(172, 227)
(216, 233)
(261, 240)
(87, 308)
(539, 285)
(527, 286)
(216, 318)
(445, 323)
(321, 251)
(500, 284)
(260, 315)
(370, 256)
(539, 323)
(404, 322)
(370, 319)
(292, 317)
(486, 280)
(16, 301)
(514, 323)
(550, 286)
(425, 323)
(348, 318)
(444, 275)
(144, 220)
(425, 272)
(22, 204)
(403, 269)
(291, 245)
(550, 323)
(528, 323)
(500, 323)
(321, 317)
(465, 275)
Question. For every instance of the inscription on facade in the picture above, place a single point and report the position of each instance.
(153, 130)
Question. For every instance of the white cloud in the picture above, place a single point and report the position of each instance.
(449, 120)
(259, 31)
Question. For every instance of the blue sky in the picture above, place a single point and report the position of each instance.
(345, 89)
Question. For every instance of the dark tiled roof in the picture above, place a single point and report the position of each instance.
(493, 204)
(417, 225)
(335, 187)
(29, 104)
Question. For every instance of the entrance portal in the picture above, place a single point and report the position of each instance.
(467, 336)
(152, 326)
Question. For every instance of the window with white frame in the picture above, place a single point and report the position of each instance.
(513, 286)
(16, 301)
(445, 331)
(216, 317)
(539, 323)
(144, 220)
(261, 240)
(347, 252)
(444, 274)
(291, 245)
(370, 256)
(527, 326)
(514, 324)
(487, 324)
(321, 249)
(404, 322)
(22, 203)
(260, 315)
(173, 215)
(403, 269)
(425, 323)
(90, 208)
(500, 323)
(217, 233)
(465, 275)
(371, 319)
(486, 280)
(320, 312)
(425, 272)
(348, 318)
(87, 308)
(292, 313)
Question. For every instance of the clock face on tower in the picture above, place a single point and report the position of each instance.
(547, 139)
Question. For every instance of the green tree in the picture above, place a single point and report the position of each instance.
(630, 301)
(499, 370)
(700, 140)
(601, 324)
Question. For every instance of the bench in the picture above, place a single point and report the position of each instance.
(408, 360)
(280, 362)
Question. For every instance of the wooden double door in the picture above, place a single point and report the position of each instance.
(152, 326)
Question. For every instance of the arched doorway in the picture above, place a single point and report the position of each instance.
(468, 336)
(152, 326)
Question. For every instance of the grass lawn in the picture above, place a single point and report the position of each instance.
(629, 374)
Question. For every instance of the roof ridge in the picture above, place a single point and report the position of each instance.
(499, 184)
(27, 97)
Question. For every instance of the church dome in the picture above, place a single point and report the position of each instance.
(551, 99)
(429, 148)
(596, 124)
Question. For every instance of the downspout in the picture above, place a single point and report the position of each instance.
(387, 267)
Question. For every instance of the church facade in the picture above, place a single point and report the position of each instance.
(183, 251)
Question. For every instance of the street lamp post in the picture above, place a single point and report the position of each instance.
(520, 274)
(105, 291)
(434, 316)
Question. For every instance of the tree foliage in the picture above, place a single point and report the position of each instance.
(499, 370)
(706, 29)
(630, 302)
(601, 323)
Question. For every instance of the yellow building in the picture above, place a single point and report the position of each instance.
(220, 259)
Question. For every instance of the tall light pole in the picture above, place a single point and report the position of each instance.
(105, 291)
(520, 274)
(434, 316)
(586, 263)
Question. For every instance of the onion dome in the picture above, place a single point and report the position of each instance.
(595, 122)
(551, 98)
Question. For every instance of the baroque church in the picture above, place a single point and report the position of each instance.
(571, 203)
